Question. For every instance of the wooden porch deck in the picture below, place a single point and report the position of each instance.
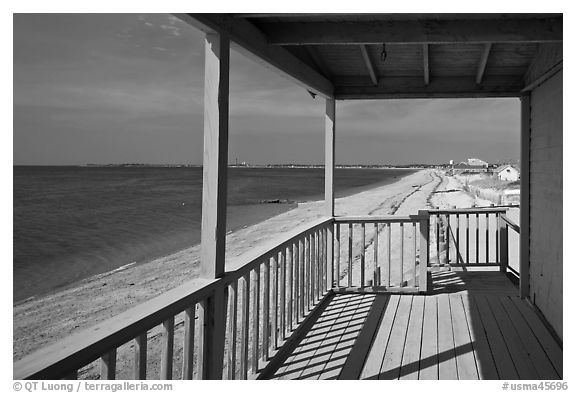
(471, 326)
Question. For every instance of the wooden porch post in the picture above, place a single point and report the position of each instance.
(216, 83)
(525, 197)
(329, 139)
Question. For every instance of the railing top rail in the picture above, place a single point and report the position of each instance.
(59, 359)
(239, 266)
(379, 219)
(510, 223)
(473, 210)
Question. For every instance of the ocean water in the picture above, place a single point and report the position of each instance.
(71, 223)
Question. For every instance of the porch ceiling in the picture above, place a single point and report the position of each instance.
(365, 56)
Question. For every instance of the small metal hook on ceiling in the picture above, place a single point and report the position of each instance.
(383, 54)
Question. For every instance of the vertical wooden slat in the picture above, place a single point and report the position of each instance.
(448, 236)
(401, 254)
(424, 244)
(415, 252)
(108, 365)
(497, 232)
(320, 259)
(437, 219)
(325, 271)
(140, 353)
(362, 255)
(289, 289)
(244, 326)
(503, 244)
(350, 255)
(232, 327)
(313, 266)
(458, 254)
(201, 329)
(255, 318)
(389, 252)
(266, 310)
(302, 277)
(477, 238)
(330, 256)
(296, 263)
(274, 320)
(282, 283)
(307, 273)
(376, 275)
(167, 349)
(337, 251)
(188, 349)
(487, 238)
(467, 238)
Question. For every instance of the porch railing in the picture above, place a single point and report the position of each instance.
(262, 298)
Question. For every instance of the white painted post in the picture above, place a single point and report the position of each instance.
(525, 197)
(213, 248)
(329, 139)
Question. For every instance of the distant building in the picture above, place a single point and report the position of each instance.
(477, 162)
(507, 172)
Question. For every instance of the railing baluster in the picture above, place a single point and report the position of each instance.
(244, 326)
(289, 283)
(302, 282)
(274, 321)
(140, 351)
(350, 255)
(458, 253)
(296, 263)
(188, 349)
(477, 238)
(108, 365)
(424, 249)
(389, 252)
(167, 349)
(487, 238)
(503, 226)
(283, 294)
(232, 327)
(307, 277)
(401, 254)
(415, 252)
(362, 255)
(437, 218)
(467, 238)
(447, 232)
(337, 246)
(497, 231)
(325, 271)
(255, 317)
(313, 265)
(376, 274)
(266, 310)
(318, 264)
(201, 329)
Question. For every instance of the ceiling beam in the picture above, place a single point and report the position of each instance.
(426, 64)
(319, 61)
(439, 87)
(435, 31)
(249, 40)
(483, 62)
(369, 65)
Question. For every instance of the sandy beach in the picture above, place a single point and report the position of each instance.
(39, 322)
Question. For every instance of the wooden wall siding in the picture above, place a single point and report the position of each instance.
(546, 200)
(510, 59)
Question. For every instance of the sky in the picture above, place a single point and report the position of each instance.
(128, 88)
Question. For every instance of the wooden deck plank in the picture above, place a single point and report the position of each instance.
(373, 362)
(520, 356)
(446, 356)
(484, 359)
(429, 354)
(392, 358)
(502, 359)
(531, 345)
(295, 363)
(333, 365)
(411, 355)
(465, 361)
(355, 361)
(545, 338)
